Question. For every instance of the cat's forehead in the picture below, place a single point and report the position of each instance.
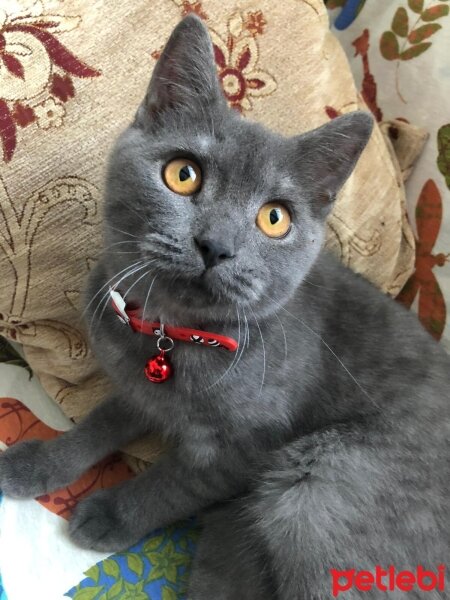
(230, 143)
(244, 154)
(231, 149)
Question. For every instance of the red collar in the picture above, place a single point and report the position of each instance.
(132, 317)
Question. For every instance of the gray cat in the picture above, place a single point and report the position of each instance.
(322, 444)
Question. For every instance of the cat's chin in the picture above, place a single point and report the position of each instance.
(200, 294)
(207, 288)
(194, 299)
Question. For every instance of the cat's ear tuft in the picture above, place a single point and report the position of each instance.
(327, 155)
(185, 76)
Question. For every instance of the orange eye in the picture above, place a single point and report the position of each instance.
(274, 220)
(182, 176)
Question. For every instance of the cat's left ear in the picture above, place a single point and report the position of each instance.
(185, 76)
(326, 156)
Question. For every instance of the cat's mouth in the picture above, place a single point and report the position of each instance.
(237, 287)
(212, 287)
(164, 281)
(186, 277)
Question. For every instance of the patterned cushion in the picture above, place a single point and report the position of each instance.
(71, 77)
(400, 54)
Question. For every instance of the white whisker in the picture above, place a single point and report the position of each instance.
(324, 287)
(124, 232)
(328, 348)
(235, 357)
(142, 276)
(138, 280)
(145, 305)
(108, 282)
(147, 297)
(247, 331)
(263, 350)
(129, 208)
(284, 335)
(118, 244)
(241, 350)
(105, 296)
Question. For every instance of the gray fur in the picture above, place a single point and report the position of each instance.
(326, 437)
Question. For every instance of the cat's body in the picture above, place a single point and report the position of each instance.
(349, 484)
(325, 437)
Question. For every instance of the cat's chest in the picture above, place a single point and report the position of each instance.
(209, 390)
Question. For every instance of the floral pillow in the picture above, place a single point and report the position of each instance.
(71, 76)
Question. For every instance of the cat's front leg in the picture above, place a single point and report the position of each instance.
(35, 467)
(228, 562)
(171, 489)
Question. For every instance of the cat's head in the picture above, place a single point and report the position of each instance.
(224, 211)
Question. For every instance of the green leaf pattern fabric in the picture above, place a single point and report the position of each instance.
(402, 67)
(443, 143)
(157, 569)
(411, 28)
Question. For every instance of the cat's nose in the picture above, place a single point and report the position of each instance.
(214, 252)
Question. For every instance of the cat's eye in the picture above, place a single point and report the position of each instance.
(182, 176)
(274, 220)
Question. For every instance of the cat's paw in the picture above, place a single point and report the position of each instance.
(99, 523)
(24, 472)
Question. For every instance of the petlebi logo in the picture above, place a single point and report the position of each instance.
(387, 580)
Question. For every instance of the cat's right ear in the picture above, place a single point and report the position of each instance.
(325, 157)
(185, 76)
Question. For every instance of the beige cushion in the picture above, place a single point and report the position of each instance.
(73, 77)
